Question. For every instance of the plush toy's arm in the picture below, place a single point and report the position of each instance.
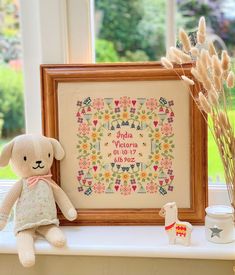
(64, 204)
(8, 202)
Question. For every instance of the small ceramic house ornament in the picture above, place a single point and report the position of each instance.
(173, 227)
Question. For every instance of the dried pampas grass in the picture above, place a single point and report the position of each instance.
(166, 63)
(184, 40)
(187, 80)
(205, 105)
(211, 49)
(230, 80)
(216, 66)
(225, 61)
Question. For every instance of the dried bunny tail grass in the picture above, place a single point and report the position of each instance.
(173, 58)
(225, 61)
(194, 51)
(202, 25)
(230, 80)
(211, 49)
(217, 82)
(185, 58)
(195, 74)
(166, 63)
(185, 40)
(213, 98)
(202, 72)
(205, 58)
(201, 38)
(206, 82)
(201, 33)
(216, 66)
(205, 105)
(223, 121)
(225, 74)
(187, 80)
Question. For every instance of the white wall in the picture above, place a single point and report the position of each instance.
(77, 265)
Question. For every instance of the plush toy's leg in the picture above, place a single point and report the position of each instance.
(25, 245)
(53, 234)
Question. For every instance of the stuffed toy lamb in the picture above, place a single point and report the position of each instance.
(31, 157)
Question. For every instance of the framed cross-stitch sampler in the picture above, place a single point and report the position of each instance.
(134, 140)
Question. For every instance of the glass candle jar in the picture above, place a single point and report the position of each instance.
(219, 224)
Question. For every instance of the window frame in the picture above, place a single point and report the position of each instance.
(51, 34)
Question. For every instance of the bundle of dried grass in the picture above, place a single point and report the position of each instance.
(216, 79)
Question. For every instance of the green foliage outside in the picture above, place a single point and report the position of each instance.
(11, 101)
(135, 28)
(6, 172)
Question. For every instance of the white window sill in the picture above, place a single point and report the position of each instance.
(125, 241)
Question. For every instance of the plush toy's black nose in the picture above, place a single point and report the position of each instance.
(38, 161)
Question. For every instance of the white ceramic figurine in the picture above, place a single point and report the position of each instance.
(175, 228)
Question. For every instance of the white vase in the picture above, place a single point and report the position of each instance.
(219, 224)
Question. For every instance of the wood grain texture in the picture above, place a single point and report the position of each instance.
(52, 75)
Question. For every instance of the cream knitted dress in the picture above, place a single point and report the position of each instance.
(35, 206)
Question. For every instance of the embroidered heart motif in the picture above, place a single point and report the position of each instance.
(84, 181)
(166, 180)
(133, 102)
(161, 182)
(89, 182)
(78, 114)
(116, 187)
(171, 177)
(79, 178)
(155, 123)
(155, 167)
(133, 187)
(95, 168)
(95, 122)
(89, 109)
(116, 102)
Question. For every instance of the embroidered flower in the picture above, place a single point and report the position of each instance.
(151, 104)
(125, 115)
(156, 157)
(166, 129)
(84, 163)
(165, 146)
(125, 102)
(98, 103)
(143, 117)
(151, 187)
(125, 190)
(99, 188)
(125, 176)
(166, 163)
(107, 117)
(84, 129)
(107, 175)
(143, 175)
(84, 146)
(157, 135)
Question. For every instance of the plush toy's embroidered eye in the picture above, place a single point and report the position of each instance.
(49, 155)
(25, 158)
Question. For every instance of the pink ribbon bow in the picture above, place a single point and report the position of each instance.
(32, 181)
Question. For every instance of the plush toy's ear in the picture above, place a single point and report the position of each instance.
(58, 150)
(6, 154)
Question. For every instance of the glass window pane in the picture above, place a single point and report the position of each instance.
(11, 78)
(130, 30)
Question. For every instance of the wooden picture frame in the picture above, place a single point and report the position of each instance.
(56, 78)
